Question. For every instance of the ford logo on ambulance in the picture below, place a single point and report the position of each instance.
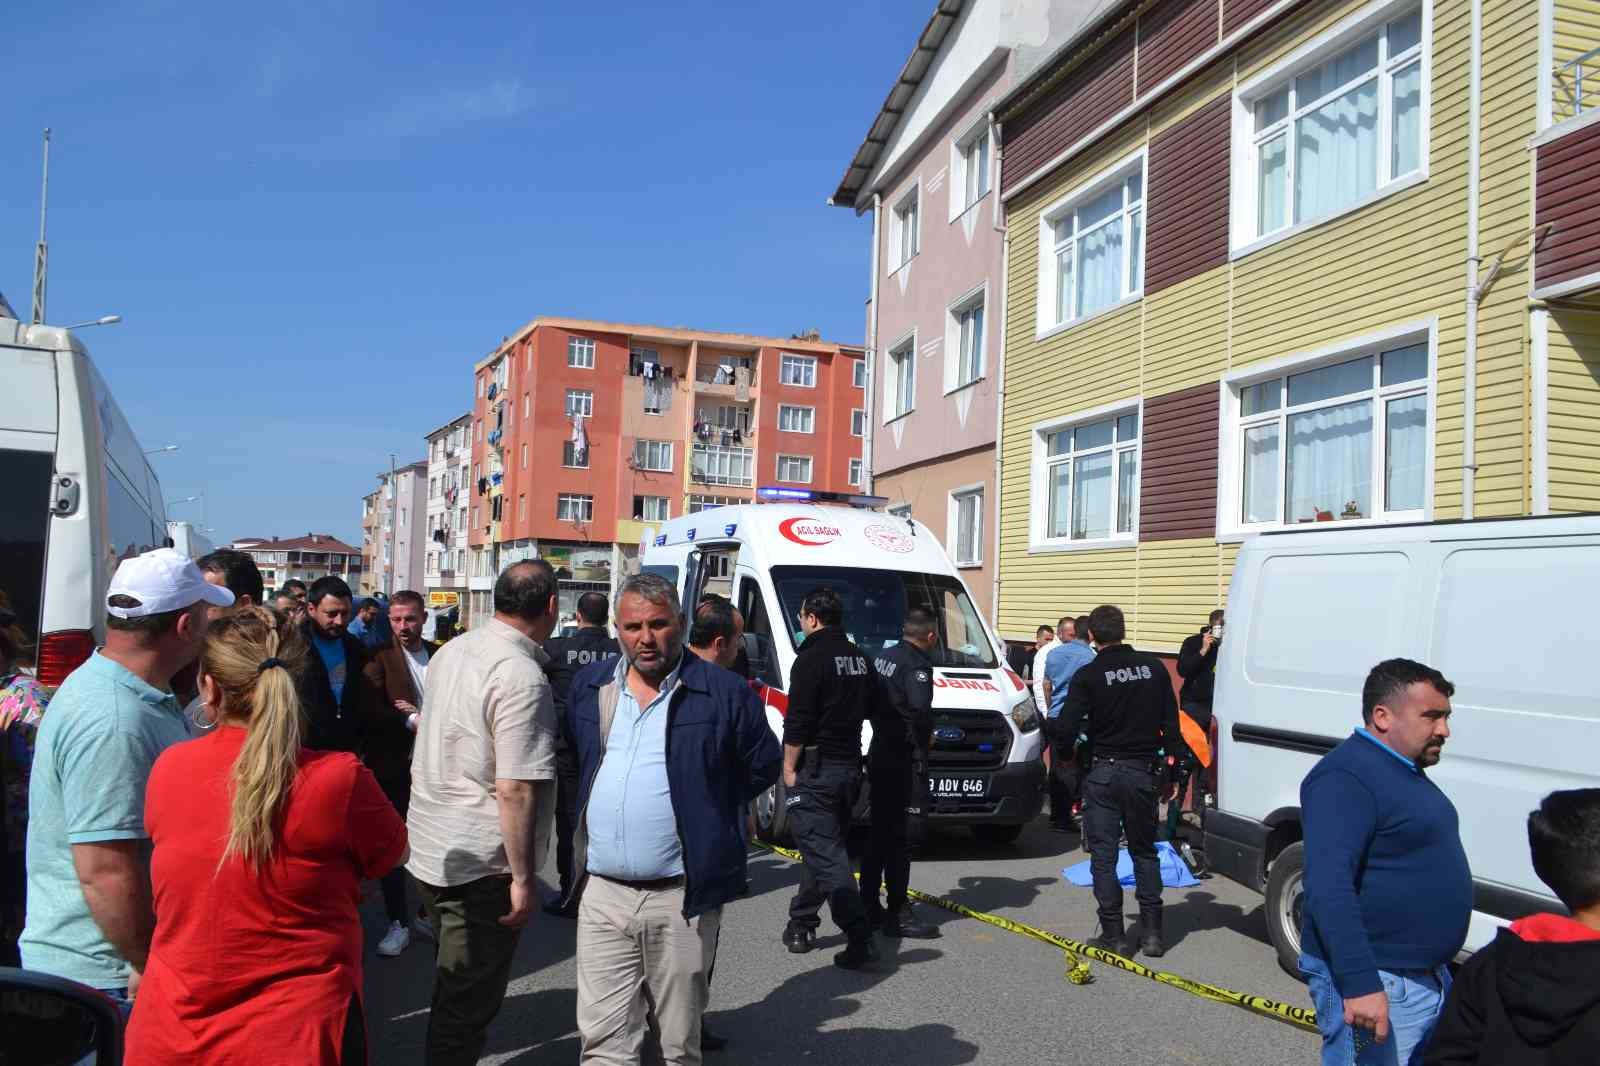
(950, 733)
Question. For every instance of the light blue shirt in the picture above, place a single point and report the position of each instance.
(1361, 730)
(331, 649)
(96, 745)
(633, 832)
(1063, 661)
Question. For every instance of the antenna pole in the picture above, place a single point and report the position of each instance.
(41, 255)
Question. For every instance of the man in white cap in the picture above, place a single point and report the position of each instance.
(89, 909)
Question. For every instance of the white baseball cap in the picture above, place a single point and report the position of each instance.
(162, 580)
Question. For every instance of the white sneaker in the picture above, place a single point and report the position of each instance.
(396, 940)
(424, 928)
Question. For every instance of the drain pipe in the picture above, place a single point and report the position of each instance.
(867, 402)
(1469, 374)
(999, 382)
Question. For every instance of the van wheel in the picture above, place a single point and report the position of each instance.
(997, 834)
(1286, 894)
(772, 818)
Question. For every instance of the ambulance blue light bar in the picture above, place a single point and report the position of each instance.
(784, 493)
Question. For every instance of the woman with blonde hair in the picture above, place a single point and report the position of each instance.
(260, 848)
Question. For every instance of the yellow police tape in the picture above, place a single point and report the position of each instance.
(1078, 970)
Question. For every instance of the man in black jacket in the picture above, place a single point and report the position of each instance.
(333, 692)
(1132, 715)
(897, 773)
(831, 693)
(1197, 665)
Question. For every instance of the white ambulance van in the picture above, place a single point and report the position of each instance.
(80, 495)
(1502, 608)
(984, 769)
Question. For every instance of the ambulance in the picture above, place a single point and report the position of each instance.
(984, 769)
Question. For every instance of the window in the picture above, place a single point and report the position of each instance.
(1088, 475)
(1338, 442)
(481, 379)
(524, 455)
(792, 419)
(580, 402)
(798, 370)
(433, 487)
(966, 526)
(717, 465)
(730, 417)
(906, 230)
(858, 423)
(858, 373)
(900, 395)
(796, 468)
(705, 503)
(571, 507)
(855, 472)
(963, 347)
(650, 509)
(522, 506)
(653, 455)
(901, 511)
(570, 456)
(526, 408)
(1327, 133)
(1092, 247)
(970, 170)
(580, 352)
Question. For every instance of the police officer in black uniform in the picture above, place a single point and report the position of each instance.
(832, 690)
(897, 773)
(568, 655)
(1126, 698)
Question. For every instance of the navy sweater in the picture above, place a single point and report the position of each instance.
(1386, 879)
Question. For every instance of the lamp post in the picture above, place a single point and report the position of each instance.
(163, 450)
(201, 496)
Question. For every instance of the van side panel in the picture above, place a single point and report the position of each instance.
(78, 563)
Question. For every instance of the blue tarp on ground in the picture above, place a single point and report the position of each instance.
(1174, 871)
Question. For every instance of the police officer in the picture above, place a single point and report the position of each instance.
(1132, 725)
(897, 772)
(568, 655)
(831, 693)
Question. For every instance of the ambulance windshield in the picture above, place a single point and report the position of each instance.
(875, 605)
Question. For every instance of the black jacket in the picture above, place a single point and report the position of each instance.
(569, 655)
(1530, 1003)
(1199, 672)
(902, 722)
(832, 690)
(1125, 696)
(335, 726)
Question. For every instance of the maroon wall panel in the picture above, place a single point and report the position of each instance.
(1567, 198)
(1087, 97)
(1171, 35)
(1236, 13)
(1178, 485)
(1188, 227)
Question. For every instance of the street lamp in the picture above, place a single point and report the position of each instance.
(161, 451)
(191, 499)
(103, 320)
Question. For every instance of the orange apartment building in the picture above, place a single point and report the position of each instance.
(587, 436)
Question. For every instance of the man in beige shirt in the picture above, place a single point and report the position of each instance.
(482, 804)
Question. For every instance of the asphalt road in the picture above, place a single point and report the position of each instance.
(978, 994)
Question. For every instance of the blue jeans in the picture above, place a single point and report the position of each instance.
(1415, 999)
(120, 997)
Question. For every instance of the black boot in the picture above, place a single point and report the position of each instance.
(904, 923)
(1150, 941)
(1109, 939)
(798, 939)
(857, 954)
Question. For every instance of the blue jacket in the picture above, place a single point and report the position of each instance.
(720, 756)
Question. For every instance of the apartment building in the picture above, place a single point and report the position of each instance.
(371, 539)
(926, 171)
(587, 436)
(1272, 264)
(444, 565)
(398, 528)
(306, 558)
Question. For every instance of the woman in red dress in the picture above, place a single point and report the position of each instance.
(260, 848)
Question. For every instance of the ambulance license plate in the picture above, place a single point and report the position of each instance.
(958, 786)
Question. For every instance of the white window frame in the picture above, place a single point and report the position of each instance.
(858, 422)
(1230, 455)
(651, 454)
(1047, 323)
(524, 455)
(805, 416)
(527, 404)
(905, 227)
(1039, 539)
(892, 387)
(958, 333)
(953, 525)
(580, 353)
(732, 416)
(1245, 237)
(858, 373)
(700, 502)
(963, 195)
(796, 459)
(665, 508)
(580, 402)
(854, 475)
(574, 507)
(804, 367)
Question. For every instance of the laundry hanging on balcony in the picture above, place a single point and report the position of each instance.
(580, 442)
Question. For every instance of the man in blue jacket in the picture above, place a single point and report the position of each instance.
(670, 752)
(1387, 890)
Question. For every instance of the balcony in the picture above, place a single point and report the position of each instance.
(713, 464)
(1577, 86)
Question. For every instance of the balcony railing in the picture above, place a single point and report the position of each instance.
(713, 464)
(1578, 85)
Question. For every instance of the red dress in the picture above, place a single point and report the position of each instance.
(256, 966)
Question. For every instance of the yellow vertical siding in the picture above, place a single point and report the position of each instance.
(1574, 400)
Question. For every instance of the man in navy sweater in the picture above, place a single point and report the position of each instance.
(1387, 890)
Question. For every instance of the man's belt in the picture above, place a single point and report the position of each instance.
(652, 884)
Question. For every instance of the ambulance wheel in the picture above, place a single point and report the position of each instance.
(997, 834)
(1286, 893)
(771, 813)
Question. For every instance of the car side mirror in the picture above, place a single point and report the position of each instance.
(50, 1021)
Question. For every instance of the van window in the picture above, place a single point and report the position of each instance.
(759, 647)
(131, 530)
(1323, 621)
(663, 571)
(875, 605)
(24, 526)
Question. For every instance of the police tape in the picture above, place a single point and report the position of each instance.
(1078, 970)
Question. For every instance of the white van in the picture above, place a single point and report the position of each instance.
(81, 495)
(984, 770)
(1502, 608)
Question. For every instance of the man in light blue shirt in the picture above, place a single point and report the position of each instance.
(1065, 658)
(90, 916)
(633, 833)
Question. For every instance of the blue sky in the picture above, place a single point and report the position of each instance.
(315, 216)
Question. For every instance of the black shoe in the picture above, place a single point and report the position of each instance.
(798, 939)
(710, 1041)
(904, 923)
(858, 954)
(875, 917)
(1150, 941)
(1109, 940)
